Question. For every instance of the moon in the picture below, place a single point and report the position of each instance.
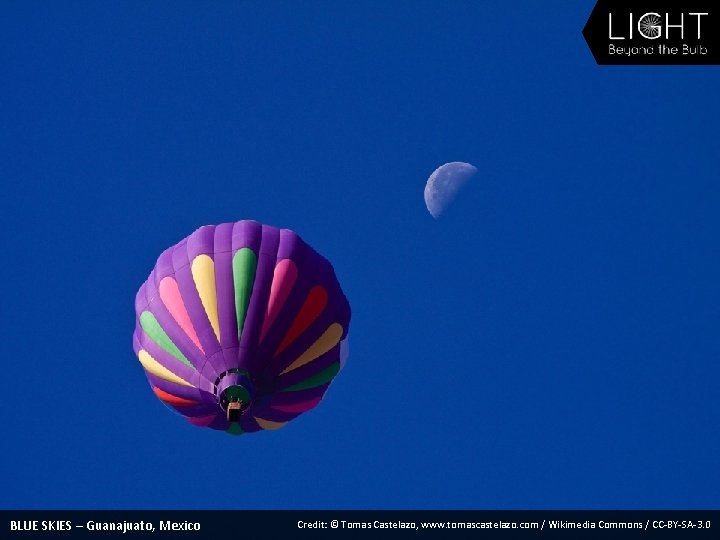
(444, 184)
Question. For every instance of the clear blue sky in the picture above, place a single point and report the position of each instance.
(551, 342)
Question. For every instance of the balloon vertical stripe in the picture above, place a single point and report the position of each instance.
(244, 265)
(156, 368)
(295, 408)
(234, 429)
(267, 424)
(312, 308)
(200, 420)
(283, 280)
(320, 378)
(171, 399)
(156, 333)
(203, 272)
(170, 295)
(327, 341)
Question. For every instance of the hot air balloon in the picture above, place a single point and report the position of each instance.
(241, 327)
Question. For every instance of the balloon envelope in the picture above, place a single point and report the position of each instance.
(241, 316)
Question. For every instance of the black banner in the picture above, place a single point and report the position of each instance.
(608, 524)
(654, 32)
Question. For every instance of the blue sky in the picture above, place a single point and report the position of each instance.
(551, 342)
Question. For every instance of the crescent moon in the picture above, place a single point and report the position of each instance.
(444, 184)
